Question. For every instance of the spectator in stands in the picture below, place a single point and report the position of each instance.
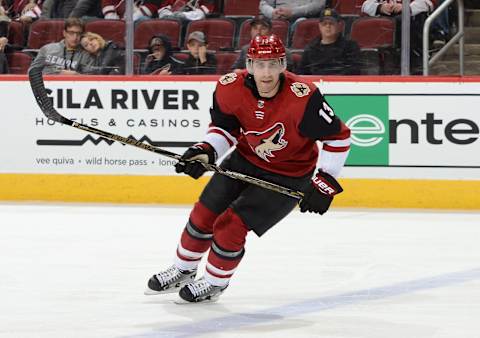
(440, 29)
(330, 53)
(87, 9)
(115, 9)
(260, 25)
(26, 11)
(199, 61)
(56, 9)
(108, 58)
(160, 60)
(419, 11)
(186, 10)
(3, 44)
(66, 56)
(291, 10)
(4, 11)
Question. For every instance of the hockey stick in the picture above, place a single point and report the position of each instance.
(45, 104)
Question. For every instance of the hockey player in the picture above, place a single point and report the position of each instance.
(274, 119)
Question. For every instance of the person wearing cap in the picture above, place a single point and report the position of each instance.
(160, 60)
(291, 10)
(259, 25)
(199, 60)
(330, 53)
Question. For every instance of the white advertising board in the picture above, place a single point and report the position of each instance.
(430, 130)
(166, 114)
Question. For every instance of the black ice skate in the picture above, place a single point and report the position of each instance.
(201, 291)
(169, 281)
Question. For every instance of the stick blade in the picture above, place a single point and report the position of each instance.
(40, 93)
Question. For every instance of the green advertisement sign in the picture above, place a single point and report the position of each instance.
(367, 118)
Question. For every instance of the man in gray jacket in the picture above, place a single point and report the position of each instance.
(65, 57)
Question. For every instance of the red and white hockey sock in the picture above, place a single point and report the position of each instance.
(227, 248)
(221, 265)
(196, 238)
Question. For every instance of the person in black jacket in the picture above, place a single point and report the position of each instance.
(109, 59)
(330, 53)
(199, 61)
(160, 60)
(87, 9)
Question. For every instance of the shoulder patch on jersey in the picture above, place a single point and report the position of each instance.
(228, 78)
(300, 89)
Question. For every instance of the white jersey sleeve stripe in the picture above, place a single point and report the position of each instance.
(337, 143)
(225, 133)
(218, 142)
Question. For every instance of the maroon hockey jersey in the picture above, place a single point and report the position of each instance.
(277, 134)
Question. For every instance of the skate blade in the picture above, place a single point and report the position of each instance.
(174, 289)
(150, 292)
(181, 301)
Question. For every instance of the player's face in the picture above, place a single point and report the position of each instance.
(267, 75)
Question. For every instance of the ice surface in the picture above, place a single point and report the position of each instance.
(80, 271)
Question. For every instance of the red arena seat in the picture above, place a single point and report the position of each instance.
(372, 33)
(45, 31)
(306, 31)
(219, 32)
(18, 62)
(279, 27)
(181, 56)
(113, 30)
(376, 38)
(15, 34)
(348, 7)
(240, 7)
(145, 30)
(225, 61)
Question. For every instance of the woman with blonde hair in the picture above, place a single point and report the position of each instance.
(109, 58)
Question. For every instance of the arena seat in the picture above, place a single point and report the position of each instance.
(279, 27)
(240, 7)
(18, 62)
(373, 33)
(225, 61)
(16, 34)
(43, 32)
(219, 31)
(306, 31)
(376, 39)
(113, 30)
(145, 30)
(348, 7)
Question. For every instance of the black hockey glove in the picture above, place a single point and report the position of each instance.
(319, 194)
(191, 161)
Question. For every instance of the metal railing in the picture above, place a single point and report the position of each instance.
(459, 36)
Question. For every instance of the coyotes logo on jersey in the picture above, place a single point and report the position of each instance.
(263, 143)
(228, 78)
